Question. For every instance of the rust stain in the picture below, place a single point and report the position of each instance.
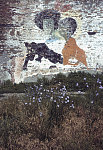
(61, 6)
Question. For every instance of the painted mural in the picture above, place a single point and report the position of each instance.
(41, 38)
(46, 20)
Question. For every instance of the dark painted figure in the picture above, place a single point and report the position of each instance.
(46, 20)
(42, 50)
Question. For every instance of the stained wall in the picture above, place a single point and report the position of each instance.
(17, 27)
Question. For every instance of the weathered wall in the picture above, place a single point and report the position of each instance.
(17, 26)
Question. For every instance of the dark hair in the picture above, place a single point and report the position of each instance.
(67, 22)
(47, 14)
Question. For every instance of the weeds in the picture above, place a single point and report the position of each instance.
(49, 117)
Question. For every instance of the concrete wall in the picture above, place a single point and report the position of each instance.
(20, 27)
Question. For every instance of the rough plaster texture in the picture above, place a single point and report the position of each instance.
(17, 26)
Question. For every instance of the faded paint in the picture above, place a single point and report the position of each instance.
(20, 28)
(71, 50)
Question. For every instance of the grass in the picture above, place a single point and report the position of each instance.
(75, 81)
(50, 118)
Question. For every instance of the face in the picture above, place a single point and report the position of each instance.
(48, 26)
(66, 31)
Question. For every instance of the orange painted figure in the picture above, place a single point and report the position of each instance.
(71, 51)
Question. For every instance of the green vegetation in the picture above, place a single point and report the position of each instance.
(50, 116)
(75, 81)
(9, 87)
(50, 124)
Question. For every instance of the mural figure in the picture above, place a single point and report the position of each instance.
(46, 20)
(42, 50)
(71, 51)
(47, 15)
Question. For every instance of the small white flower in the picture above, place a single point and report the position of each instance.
(51, 98)
(41, 114)
(63, 94)
(92, 102)
(98, 80)
(77, 84)
(97, 94)
(101, 87)
(72, 106)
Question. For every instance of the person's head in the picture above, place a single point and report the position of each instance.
(47, 20)
(67, 27)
